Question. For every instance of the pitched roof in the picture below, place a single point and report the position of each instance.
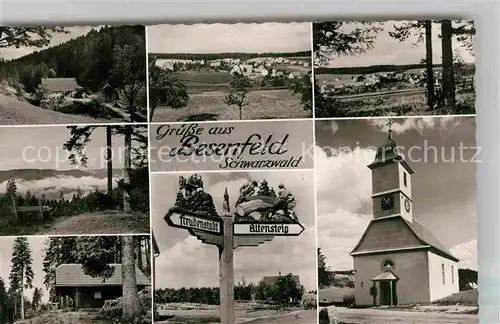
(426, 237)
(386, 275)
(72, 275)
(60, 84)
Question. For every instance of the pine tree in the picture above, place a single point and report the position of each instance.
(37, 299)
(21, 273)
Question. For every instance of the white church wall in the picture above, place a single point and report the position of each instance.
(411, 267)
(437, 288)
(405, 187)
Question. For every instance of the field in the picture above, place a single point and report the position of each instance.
(186, 313)
(263, 104)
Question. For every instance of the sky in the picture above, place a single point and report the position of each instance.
(223, 38)
(42, 148)
(37, 245)
(57, 38)
(186, 262)
(444, 193)
(391, 52)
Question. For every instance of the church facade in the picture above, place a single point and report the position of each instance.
(398, 261)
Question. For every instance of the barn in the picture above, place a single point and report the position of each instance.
(77, 290)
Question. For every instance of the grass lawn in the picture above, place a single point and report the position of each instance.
(64, 318)
(109, 222)
(263, 104)
(99, 223)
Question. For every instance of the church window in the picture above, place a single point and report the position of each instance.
(361, 284)
(443, 273)
(452, 276)
(404, 179)
(388, 264)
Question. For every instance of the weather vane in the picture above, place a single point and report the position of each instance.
(389, 124)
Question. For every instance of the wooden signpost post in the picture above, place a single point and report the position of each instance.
(223, 232)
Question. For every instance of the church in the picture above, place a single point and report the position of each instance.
(398, 261)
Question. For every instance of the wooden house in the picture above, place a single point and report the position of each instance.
(77, 290)
(61, 86)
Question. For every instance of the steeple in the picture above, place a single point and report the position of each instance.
(387, 152)
(391, 181)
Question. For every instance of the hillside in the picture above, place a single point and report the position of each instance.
(40, 174)
(87, 58)
(214, 56)
(376, 68)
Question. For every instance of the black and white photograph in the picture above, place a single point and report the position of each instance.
(81, 280)
(74, 180)
(72, 75)
(273, 271)
(241, 71)
(394, 68)
(397, 222)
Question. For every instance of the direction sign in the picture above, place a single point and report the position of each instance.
(178, 217)
(274, 229)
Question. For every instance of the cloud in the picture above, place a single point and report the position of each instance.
(224, 38)
(54, 185)
(419, 124)
(344, 205)
(467, 253)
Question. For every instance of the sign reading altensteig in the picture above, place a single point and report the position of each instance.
(232, 146)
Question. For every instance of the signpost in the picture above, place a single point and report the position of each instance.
(224, 232)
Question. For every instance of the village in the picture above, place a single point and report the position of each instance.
(252, 68)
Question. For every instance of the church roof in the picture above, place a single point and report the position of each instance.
(425, 236)
(386, 275)
(388, 153)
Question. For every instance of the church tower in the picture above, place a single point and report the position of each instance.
(391, 182)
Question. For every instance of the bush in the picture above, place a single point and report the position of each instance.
(309, 301)
(349, 299)
(112, 309)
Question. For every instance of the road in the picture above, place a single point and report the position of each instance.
(298, 317)
(380, 316)
(99, 223)
(15, 112)
(374, 95)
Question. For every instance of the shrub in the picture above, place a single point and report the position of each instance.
(112, 310)
(309, 301)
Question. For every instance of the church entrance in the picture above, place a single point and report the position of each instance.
(388, 294)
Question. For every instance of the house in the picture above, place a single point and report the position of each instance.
(110, 93)
(60, 86)
(76, 289)
(272, 280)
(397, 257)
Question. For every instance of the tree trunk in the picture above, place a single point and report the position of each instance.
(14, 206)
(22, 293)
(448, 75)
(241, 115)
(131, 109)
(130, 300)
(128, 170)
(109, 157)
(152, 107)
(429, 63)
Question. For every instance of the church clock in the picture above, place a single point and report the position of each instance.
(387, 202)
(407, 205)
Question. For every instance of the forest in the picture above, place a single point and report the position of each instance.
(284, 291)
(112, 58)
(95, 254)
(215, 56)
(342, 38)
(129, 194)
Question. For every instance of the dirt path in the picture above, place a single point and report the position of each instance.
(379, 316)
(15, 112)
(298, 317)
(99, 223)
